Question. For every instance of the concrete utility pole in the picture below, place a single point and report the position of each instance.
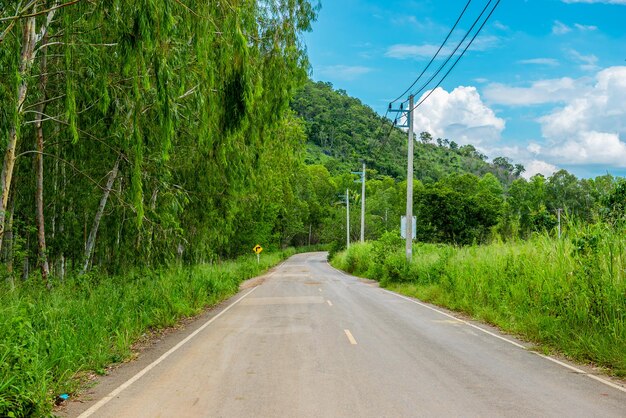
(347, 220)
(362, 181)
(558, 215)
(409, 186)
(409, 175)
(363, 204)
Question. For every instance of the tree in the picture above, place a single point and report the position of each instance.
(460, 209)
(426, 137)
(563, 191)
(614, 202)
(148, 122)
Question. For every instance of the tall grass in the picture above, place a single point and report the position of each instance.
(87, 323)
(568, 295)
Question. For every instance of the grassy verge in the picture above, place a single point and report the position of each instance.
(567, 295)
(87, 323)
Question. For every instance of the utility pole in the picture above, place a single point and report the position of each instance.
(409, 176)
(409, 186)
(363, 204)
(347, 221)
(558, 215)
(362, 181)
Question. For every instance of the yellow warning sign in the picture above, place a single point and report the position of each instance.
(257, 249)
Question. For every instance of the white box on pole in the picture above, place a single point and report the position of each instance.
(403, 227)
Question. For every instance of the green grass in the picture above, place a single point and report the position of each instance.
(48, 338)
(567, 295)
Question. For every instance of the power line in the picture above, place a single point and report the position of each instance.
(436, 54)
(442, 66)
(448, 59)
(424, 70)
(453, 53)
(459, 58)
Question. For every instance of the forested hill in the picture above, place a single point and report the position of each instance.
(342, 131)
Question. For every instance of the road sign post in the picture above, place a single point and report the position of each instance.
(257, 250)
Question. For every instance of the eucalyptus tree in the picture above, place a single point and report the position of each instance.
(151, 118)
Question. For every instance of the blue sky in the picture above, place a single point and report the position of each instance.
(544, 83)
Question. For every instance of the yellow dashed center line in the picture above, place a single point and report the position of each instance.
(350, 337)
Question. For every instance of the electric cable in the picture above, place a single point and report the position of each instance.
(445, 41)
(459, 57)
(453, 53)
(450, 56)
(436, 53)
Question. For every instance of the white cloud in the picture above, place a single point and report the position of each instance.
(551, 62)
(585, 28)
(539, 167)
(560, 28)
(405, 51)
(540, 92)
(344, 72)
(499, 25)
(534, 148)
(485, 43)
(459, 115)
(528, 157)
(587, 62)
(422, 24)
(590, 147)
(590, 128)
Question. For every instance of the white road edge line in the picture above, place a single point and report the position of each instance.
(456, 319)
(329, 303)
(553, 360)
(350, 337)
(152, 365)
(343, 273)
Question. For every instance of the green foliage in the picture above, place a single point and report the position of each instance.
(614, 202)
(341, 131)
(460, 209)
(192, 99)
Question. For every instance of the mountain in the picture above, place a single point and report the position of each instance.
(342, 131)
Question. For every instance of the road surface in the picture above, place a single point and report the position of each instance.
(310, 341)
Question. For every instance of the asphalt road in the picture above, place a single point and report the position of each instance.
(312, 342)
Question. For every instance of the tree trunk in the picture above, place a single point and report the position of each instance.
(26, 58)
(91, 241)
(41, 231)
(26, 265)
(8, 242)
(61, 273)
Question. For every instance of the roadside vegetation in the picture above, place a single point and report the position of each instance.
(567, 295)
